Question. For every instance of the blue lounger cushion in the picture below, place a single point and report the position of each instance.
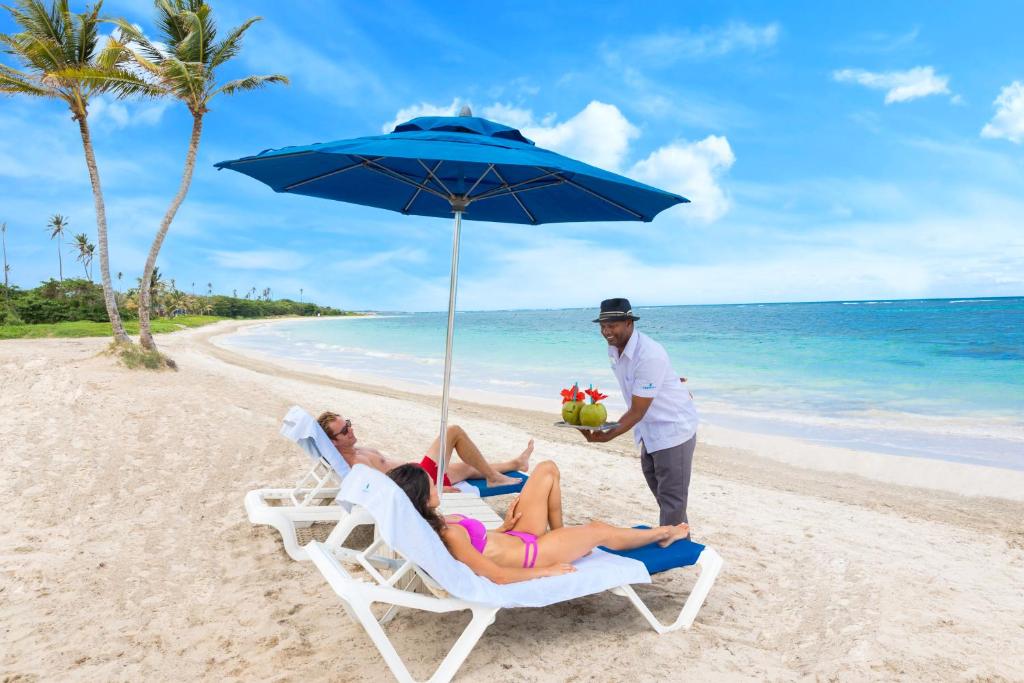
(485, 490)
(658, 559)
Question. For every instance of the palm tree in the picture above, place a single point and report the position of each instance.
(300, 295)
(56, 226)
(59, 53)
(85, 252)
(209, 289)
(7, 268)
(184, 65)
(157, 286)
(90, 253)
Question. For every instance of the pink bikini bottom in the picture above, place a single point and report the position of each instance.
(530, 540)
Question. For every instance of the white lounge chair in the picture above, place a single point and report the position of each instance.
(311, 500)
(422, 558)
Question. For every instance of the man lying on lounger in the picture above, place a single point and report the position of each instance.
(473, 466)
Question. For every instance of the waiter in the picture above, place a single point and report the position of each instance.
(660, 409)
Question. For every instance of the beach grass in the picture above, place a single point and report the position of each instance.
(88, 328)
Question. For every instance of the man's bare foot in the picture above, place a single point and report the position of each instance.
(677, 532)
(502, 480)
(523, 461)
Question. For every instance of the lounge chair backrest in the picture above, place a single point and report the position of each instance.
(300, 427)
(405, 530)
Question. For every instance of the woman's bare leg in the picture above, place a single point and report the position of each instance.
(458, 441)
(571, 543)
(540, 503)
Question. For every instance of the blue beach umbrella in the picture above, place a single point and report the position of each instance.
(464, 166)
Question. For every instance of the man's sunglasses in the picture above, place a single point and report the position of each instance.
(344, 430)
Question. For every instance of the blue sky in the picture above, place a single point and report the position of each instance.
(831, 150)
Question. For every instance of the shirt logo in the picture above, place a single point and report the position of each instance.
(648, 386)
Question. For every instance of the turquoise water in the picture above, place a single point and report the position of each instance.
(931, 378)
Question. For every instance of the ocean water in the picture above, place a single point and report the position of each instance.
(937, 378)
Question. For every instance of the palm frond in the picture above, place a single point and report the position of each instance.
(190, 48)
(39, 53)
(112, 54)
(135, 39)
(66, 20)
(197, 43)
(169, 23)
(117, 81)
(14, 82)
(229, 47)
(32, 16)
(249, 83)
(88, 34)
(185, 80)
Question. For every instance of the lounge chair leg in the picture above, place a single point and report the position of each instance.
(446, 670)
(710, 563)
(482, 618)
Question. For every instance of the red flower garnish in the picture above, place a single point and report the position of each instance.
(571, 394)
(595, 395)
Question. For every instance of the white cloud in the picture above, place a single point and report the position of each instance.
(599, 135)
(694, 170)
(514, 116)
(423, 109)
(1008, 121)
(110, 113)
(901, 86)
(269, 259)
(669, 47)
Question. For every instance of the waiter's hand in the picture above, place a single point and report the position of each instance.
(597, 437)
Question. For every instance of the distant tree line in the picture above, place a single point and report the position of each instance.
(79, 299)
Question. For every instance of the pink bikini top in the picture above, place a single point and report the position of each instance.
(476, 530)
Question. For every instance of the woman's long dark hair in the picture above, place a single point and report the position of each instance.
(415, 481)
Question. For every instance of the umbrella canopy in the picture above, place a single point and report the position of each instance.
(461, 165)
(430, 163)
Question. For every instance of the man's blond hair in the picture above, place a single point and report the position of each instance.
(325, 419)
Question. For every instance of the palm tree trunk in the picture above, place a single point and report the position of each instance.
(145, 336)
(101, 233)
(60, 260)
(3, 234)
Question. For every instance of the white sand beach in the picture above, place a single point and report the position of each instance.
(125, 553)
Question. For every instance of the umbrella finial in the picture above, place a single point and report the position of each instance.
(465, 111)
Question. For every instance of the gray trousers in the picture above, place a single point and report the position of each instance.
(668, 474)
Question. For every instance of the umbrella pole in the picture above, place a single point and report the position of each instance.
(453, 287)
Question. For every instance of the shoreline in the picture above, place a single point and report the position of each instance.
(142, 564)
(969, 479)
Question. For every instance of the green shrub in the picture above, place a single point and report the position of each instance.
(8, 316)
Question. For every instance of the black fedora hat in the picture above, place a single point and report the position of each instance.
(614, 310)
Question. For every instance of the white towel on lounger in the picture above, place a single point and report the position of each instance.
(405, 530)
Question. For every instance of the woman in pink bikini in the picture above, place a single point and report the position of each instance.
(532, 542)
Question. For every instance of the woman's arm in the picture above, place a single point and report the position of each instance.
(457, 541)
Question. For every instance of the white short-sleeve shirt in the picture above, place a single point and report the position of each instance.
(643, 369)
